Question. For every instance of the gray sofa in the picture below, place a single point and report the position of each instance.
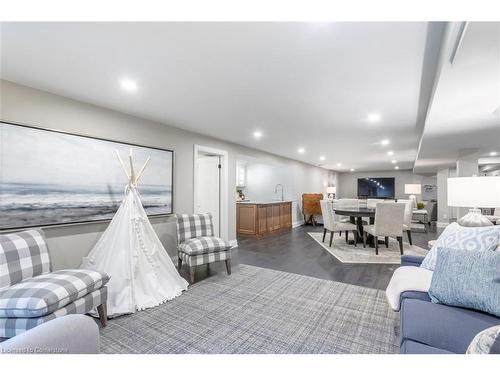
(70, 334)
(429, 328)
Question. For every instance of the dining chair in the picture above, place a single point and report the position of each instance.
(332, 224)
(343, 203)
(409, 205)
(388, 223)
(370, 203)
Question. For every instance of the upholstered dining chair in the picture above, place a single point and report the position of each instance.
(388, 223)
(372, 203)
(197, 244)
(332, 224)
(409, 205)
(343, 203)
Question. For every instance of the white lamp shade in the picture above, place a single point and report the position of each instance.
(331, 190)
(413, 189)
(476, 192)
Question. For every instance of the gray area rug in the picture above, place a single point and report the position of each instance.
(358, 254)
(257, 310)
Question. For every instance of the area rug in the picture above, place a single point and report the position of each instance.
(258, 310)
(350, 254)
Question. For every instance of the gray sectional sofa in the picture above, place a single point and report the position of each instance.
(429, 328)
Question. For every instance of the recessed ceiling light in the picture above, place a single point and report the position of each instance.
(396, 167)
(128, 85)
(394, 161)
(390, 153)
(257, 134)
(385, 142)
(493, 153)
(352, 169)
(374, 117)
(322, 158)
(301, 150)
(339, 164)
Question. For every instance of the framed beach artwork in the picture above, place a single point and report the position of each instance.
(49, 177)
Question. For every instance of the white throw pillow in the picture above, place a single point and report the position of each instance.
(486, 342)
(463, 238)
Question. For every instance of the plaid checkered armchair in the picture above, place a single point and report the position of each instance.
(30, 294)
(197, 244)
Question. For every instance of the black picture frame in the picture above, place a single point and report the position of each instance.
(72, 223)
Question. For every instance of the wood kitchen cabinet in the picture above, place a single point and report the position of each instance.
(259, 219)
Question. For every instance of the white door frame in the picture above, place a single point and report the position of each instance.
(224, 188)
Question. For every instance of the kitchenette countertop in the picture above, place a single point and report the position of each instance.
(262, 202)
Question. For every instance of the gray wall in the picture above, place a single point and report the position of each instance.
(348, 182)
(69, 243)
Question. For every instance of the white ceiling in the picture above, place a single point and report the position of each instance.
(462, 115)
(308, 85)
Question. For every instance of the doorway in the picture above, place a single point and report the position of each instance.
(210, 186)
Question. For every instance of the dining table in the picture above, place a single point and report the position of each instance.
(356, 215)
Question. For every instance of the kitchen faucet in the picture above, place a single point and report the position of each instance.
(276, 191)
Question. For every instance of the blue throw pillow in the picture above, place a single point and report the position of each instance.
(458, 237)
(467, 279)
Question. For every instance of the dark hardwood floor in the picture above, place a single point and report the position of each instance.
(296, 252)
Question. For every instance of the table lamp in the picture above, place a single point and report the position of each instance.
(331, 191)
(476, 193)
(413, 190)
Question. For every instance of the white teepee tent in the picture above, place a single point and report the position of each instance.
(142, 274)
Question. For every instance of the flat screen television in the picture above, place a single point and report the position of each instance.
(376, 187)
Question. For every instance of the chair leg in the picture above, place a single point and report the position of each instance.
(179, 264)
(340, 233)
(408, 232)
(192, 270)
(364, 239)
(376, 245)
(400, 240)
(228, 266)
(355, 234)
(103, 314)
(331, 238)
(346, 236)
(324, 234)
(386, 239)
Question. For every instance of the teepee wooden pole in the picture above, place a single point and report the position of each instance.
(123, 165)
(142, 169)
(132, 172)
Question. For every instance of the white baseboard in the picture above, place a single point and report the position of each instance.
(234, 243)
(298, 223)
(442, 225)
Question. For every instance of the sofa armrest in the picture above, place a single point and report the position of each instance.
(70, 334)
(441, 326)
(422, 296)
(411, 260)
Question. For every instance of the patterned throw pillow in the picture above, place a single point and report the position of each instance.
(22, 255)
(463, 238)
(486, 342)
(469, 279)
